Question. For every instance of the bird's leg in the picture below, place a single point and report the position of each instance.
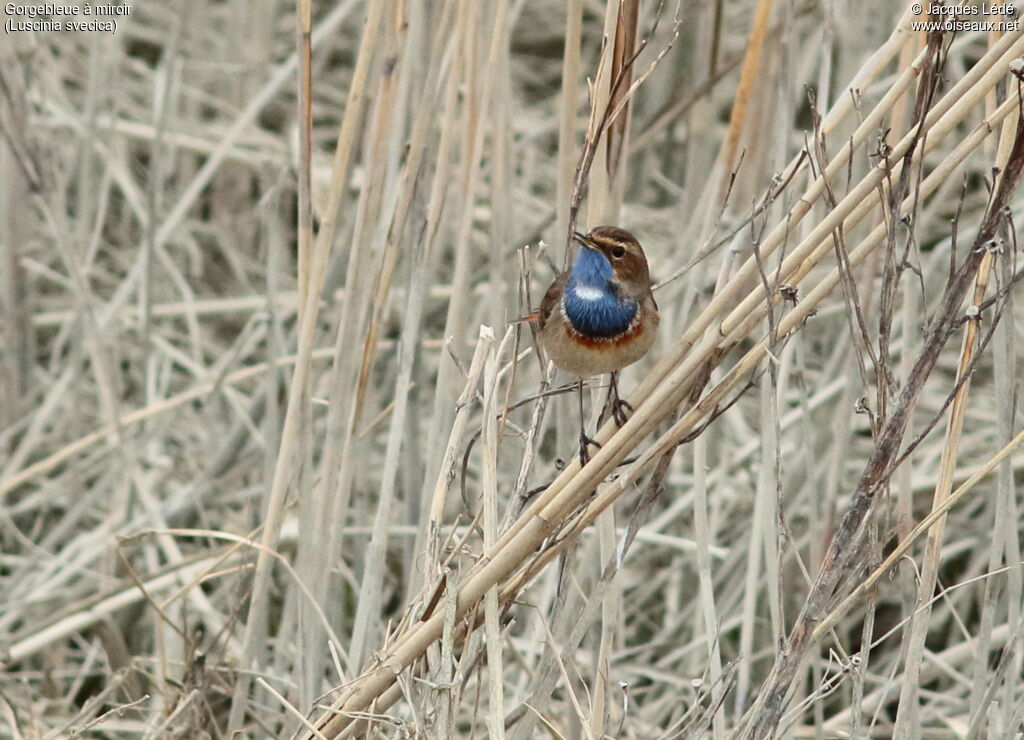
(585, 441)
(615, 405)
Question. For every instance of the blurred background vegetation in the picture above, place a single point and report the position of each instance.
(195, 542)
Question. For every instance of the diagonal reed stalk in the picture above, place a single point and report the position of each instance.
(570, 503)
(275, 458)
(308, 313)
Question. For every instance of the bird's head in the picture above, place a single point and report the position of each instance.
(616, 255)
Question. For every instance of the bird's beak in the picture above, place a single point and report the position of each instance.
(585, 241)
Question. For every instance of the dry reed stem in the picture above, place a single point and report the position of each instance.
(937, 513)
(906, 719)
(539, 527)
(554, 505)
(489, 494)
(169, 171)
(255, 626)
(746, 311)
(748, 76)
(766, 712)
(82, 617)
(134, 417)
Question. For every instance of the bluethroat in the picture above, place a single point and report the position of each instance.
(599, 315)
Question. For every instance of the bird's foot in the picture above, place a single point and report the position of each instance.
(614, 406)
(585, 443)
(619, 408)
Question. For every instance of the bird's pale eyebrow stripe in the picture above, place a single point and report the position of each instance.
(611, 241)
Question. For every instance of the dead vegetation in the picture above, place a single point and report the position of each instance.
(276, 456)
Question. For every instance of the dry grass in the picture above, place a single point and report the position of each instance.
(275, 457)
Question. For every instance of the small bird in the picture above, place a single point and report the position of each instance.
(599, 315)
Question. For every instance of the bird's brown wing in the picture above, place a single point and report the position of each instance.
(654, 303)
(552, 298)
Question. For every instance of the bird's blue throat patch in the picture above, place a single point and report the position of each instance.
(591, 303)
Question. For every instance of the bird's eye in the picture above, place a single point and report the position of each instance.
(618, 252)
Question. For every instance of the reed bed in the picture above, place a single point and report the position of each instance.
(279, 459)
